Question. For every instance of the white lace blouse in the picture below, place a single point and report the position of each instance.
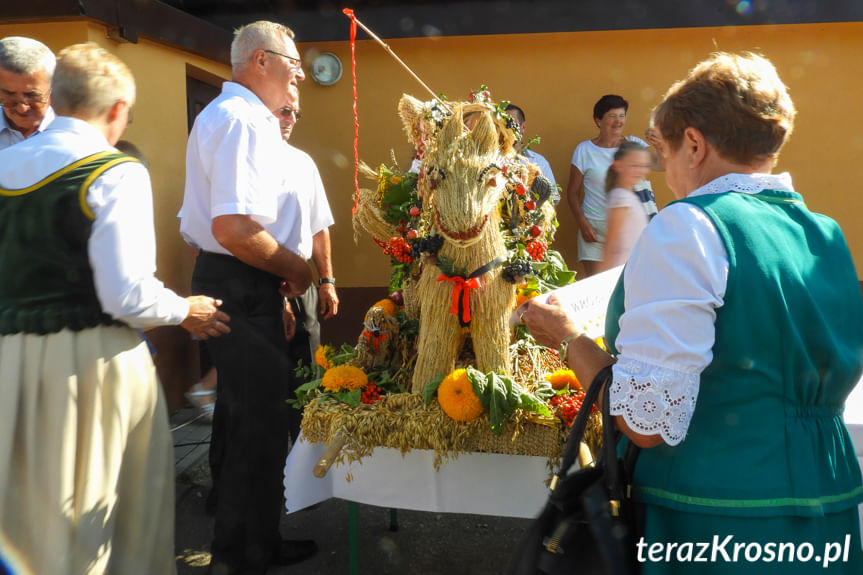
(674, 281)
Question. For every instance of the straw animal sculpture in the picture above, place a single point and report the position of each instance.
(461, 185)
(462, 197)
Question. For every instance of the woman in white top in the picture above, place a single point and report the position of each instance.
(586, 190)
(626, 216)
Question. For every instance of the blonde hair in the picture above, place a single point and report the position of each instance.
(260, 35)
(89, 80)
(737, 101)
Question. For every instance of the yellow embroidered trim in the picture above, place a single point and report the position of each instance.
(82, 192)
(50, 178)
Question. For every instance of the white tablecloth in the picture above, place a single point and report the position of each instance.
(480, 483)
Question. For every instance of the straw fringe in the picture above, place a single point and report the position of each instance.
(402, 421)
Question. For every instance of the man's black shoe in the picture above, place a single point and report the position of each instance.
(294, 551)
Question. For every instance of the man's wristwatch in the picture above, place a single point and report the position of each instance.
(322, 281)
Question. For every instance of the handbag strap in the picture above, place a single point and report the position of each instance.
(576, 434)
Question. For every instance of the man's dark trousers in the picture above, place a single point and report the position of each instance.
(250, 427)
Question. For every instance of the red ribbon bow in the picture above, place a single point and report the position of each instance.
(373, 340)
(461, 286)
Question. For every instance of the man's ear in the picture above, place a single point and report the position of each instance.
(115, 111)
(696, 146)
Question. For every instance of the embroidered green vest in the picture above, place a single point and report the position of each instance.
(767, 436)
(47, 283)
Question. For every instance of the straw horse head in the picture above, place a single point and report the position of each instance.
(462, 292)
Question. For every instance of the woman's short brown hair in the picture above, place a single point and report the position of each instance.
(738, 103)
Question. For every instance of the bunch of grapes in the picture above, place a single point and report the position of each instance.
(426, 245)
(371, 393)
(516, 269)
(568, 405)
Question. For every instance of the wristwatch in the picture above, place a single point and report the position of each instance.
(322, 281)
(564, 346)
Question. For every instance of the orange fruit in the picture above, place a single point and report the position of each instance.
(457, 398)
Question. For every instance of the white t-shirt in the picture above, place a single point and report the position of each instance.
(636, 217)
(122, 243)
(593, 162)
(304, 201)
(234, 165)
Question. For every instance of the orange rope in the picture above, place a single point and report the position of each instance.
(350, 13)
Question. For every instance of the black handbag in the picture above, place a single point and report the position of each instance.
(587, 524)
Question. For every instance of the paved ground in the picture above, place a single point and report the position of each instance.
(423, 544)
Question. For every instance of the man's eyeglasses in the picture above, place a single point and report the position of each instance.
(286, 111)
(31, 99)
(295, 62)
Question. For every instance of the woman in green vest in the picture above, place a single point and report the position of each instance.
(737, 333)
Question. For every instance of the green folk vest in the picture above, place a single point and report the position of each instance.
(767, 436)
(46, 283)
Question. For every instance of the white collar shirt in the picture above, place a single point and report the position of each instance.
(122, 243)
(234, 165)
(9, 135)
(304, 203)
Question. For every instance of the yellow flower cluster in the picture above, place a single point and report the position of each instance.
(344, 377)
(521, 297)
(322, 356)
(563, 377)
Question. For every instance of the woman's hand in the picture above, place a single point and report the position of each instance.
(587, 231)
(548, 323)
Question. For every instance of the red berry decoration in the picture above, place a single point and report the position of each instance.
(412, 234)
(520, 190)
(536, 231)
(530, 204)
(536, 249)
(414, 211)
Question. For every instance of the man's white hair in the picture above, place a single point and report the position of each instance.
(26, 56)
(260, 35)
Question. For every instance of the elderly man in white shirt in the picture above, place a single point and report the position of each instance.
(234, 181)
(86, 459)
(26, 67)
(306, 204)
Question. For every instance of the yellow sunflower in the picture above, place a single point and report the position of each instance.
(457, 398)
(563, 377)
(344, 377)
(322, 356)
